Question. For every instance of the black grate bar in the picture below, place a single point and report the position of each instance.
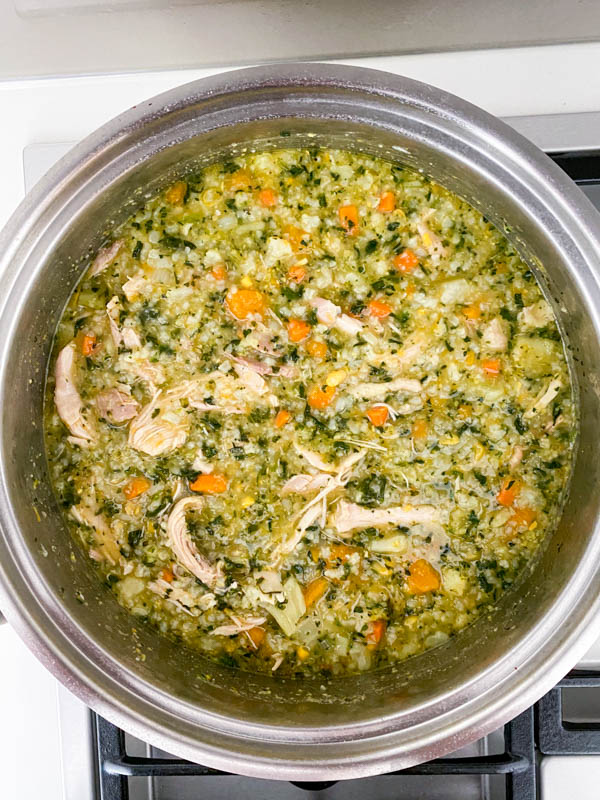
(135, 767)
(558, 737)
(519, 740)
(111, 744)
(582, 167)
(502, 764)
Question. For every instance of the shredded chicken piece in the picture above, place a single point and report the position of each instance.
(314, 459)
(349, 516)
(375, 391)
(68, 402)
(407, 356)
(117, 405)
(544, 399)
(516, 457)
(303, 484)
(536, 315)
(184, 549)
(136, 285)
(238, 625)
(105, 258)
(331, 315)
(131, 339)
(112, 312)
(255, 383)
(181, 598)
(494, 336)
(106, 546)
(285, 370)
(151, 374)
(317, 506)
(152, 432)
(277, 661)
(348, 325)
(431, 242)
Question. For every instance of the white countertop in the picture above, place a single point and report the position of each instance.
(522, 81)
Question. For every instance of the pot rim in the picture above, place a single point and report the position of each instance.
(114, 697)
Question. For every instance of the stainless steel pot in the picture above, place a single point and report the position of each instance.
(276, 728)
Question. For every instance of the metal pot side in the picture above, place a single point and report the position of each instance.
(276, 728)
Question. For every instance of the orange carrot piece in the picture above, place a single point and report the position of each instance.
(256, 636)
(377, 415)
(136, 487)
(267, 198)
(387, 202)
(282, 418)
(209, 484)
(299, 239)
(238, 180)
(339, 552)
(314, 591)
(521, 520)
(316, 349)
(176, 194)
(406, 262)
(419, 429)
(509, 491)
(491, 366)
(422, 577)
(379, 309)
(298, 329)
(472, 311)
(219, 272)
(296, 274)
(167, 575)
(244, 302)
(88, 344)
(349, 219)
(320, 397)
(375, 632)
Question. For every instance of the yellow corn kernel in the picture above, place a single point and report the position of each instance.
(479, 451)
(427, 240)
(470, 358)
(336, 377)
(380, 569)
(246, 282)
(302, 653)
(532, 527)
(247, 501)
(446, 440)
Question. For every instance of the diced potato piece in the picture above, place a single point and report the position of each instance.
(535, 356)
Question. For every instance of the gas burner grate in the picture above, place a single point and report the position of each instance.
(540, 730)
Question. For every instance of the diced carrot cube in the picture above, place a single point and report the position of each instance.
(378, 415)
(349, 219)
(379, 309)
(298, 329)
(209, 484)
(422, 577)
(387, 202)
(136, 487)
(267, 198)
(282, 418)
(406, 262)
(320, 397)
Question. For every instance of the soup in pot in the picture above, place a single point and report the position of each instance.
(309, 412)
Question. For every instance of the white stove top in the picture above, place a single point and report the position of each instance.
(40, 121)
